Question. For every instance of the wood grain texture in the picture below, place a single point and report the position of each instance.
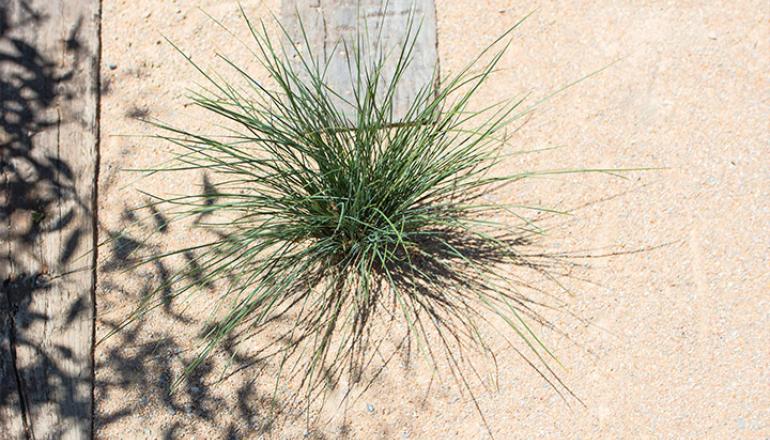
(330, 23)
(49, 51)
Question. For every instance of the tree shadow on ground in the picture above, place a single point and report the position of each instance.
(150, 359)
(33, 184)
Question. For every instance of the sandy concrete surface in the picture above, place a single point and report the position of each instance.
(669, 342)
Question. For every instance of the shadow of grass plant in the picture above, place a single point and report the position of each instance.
(330, 222)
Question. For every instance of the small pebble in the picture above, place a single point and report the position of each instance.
(195, 390)
(370, 407)
(112, 66)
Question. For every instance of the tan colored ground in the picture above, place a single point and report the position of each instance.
(672, 342)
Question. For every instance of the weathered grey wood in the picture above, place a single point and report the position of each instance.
(385, 22)
(11, 421)
(49, 52)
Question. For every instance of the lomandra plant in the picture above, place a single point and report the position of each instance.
(343, 219)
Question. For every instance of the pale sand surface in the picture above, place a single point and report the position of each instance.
(672, 342)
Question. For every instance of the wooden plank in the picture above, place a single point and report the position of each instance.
(49, 53)
(328, 22)
(11, 419)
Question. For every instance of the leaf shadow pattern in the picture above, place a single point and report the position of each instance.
(42, 228)
(141, 362)
(143, 370)
(18, 317)
(34, 183)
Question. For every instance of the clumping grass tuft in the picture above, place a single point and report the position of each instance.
(334, 213)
